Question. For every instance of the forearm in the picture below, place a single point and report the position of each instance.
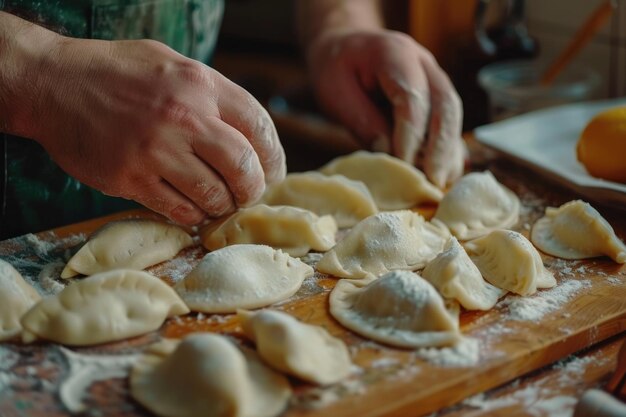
(22, 46)
(316, 17)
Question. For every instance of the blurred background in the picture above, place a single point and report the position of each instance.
(258, 48)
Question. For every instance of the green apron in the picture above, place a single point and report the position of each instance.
(36, 194)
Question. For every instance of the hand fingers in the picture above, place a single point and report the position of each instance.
(198, 182)
(227, 151)
(406, 87)
(444, 155)
(444, 160)
(161, 197)
(356, 110)
(243, 112)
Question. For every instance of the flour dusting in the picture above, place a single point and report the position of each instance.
(39, 258)
(535, 307)
(84, 370)
(464, 354)
(320, 397)
(384, 362)
(532, 399)
(614, 280)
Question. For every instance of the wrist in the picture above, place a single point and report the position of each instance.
(333, 44)
(326, 18)
(23, 48)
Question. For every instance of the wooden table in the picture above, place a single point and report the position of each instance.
(30, 375)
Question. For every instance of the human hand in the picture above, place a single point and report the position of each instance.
(137, 120)
(349, 68)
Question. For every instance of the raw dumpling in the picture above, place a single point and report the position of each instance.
(577, 231)
(242, 276)
(456, 277)
(347, 201)
(291, 229)
(302, 350)
(103, 308)
(16, 298)
(132, 244)
(400, 308)
(394, 183)
(207, 375)
(384, 242)
(509, 261)
(476, 205)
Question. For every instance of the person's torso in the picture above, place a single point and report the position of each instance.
(188, 26)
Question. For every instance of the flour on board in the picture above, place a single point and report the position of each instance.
(84, 370)
(535, 307)
(463, 354)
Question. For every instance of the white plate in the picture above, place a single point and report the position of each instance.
(545, 140)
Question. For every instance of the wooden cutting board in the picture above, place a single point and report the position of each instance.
(388, 381)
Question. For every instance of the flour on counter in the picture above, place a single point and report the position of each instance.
(582, 269)
(541, 398)
(217, 318)
(176, 269)
(491, 334)
(573, 367)
(614, 280)
(40, 247)
(39, 259)
(384, 362)
(543, 302)
(6, 379)
(308, 288)
(530, 400)
(463, 354)
(564, 268)
(8, 358)
(84, 370)
(320, 397)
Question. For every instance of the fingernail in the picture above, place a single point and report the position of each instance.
(187, 214)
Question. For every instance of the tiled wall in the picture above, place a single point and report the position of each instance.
(553, 23)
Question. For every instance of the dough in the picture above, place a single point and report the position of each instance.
(206, 375)
(291, 229)
(16, 298)
(400, 309)
(394, 183)
(105, 307)
(132, 244)
(302, 350)
(456, 277)
(509, 261)
(476, 205)
(242, 276)
(577, 231)
(384, 242)
(347, 201)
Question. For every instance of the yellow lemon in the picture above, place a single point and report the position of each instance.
(602, 145)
